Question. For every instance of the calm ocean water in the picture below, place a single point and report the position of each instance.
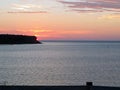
(60, 63)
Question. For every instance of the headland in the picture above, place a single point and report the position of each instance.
(18, 39)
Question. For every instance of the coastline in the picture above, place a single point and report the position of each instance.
(18, 39)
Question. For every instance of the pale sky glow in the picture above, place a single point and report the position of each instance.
(62, 19)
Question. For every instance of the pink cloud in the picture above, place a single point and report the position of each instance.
(93, 5)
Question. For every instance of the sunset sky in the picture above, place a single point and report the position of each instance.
(61, 19)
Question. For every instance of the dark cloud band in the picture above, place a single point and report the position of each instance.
(93, 5)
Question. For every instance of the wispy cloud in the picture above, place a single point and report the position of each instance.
(111, 16)
(92, 5)
(27, 12)
(26, 8)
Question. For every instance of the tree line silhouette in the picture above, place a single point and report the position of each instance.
(18, 39)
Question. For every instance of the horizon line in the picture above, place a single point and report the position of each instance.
(85, 40)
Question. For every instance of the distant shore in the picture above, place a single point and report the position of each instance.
(18, 39)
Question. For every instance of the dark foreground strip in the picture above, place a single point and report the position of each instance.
(58, 88)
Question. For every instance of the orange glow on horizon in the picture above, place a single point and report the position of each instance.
(58, 24)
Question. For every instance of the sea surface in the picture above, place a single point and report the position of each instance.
(60, 63)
